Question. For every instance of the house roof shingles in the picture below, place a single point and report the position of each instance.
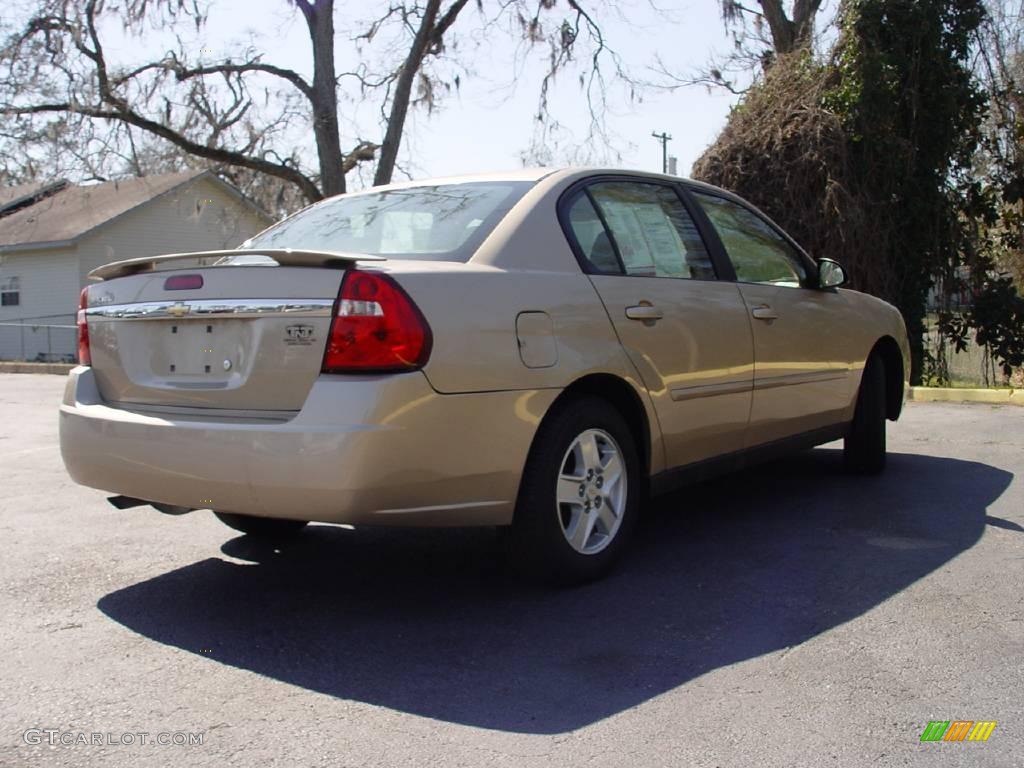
(10, 194)
(75, 210)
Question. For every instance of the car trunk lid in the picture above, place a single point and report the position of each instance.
(238, 338)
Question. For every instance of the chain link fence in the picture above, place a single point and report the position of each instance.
(970, 367)
(42, 339)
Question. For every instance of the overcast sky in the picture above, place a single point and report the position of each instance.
(488, 123)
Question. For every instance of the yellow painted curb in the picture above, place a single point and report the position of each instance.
(956, 395)
(60, 369)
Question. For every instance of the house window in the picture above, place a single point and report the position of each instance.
(9, 296)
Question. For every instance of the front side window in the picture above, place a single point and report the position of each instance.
(10, 295)
(652, 231)
(447, 221)
(757, 252)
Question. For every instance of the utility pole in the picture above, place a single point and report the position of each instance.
(664, 138)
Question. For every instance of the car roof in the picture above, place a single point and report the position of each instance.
(517, 174)
(539, 174)
(582, 172)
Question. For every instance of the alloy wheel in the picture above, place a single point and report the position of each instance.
(591, 493)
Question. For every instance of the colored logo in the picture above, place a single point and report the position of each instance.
(958, 730)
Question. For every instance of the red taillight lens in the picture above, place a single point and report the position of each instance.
(84, 356)
(376, 328)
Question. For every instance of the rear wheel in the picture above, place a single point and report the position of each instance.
(864, 447)
(578, 500)
(261, 527)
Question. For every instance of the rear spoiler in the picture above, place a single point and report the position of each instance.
(286, 257)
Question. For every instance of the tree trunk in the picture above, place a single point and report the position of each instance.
(403, 92)
(789, 35)
(319, 16)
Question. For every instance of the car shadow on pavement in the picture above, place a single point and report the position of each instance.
(424, 621)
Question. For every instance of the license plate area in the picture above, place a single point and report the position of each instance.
(195, 350)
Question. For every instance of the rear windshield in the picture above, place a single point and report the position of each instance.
(446, 222)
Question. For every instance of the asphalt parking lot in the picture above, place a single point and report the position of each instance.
(790, 615)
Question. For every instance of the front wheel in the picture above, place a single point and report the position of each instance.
(864, 447)
(261, 527)
(578, 501)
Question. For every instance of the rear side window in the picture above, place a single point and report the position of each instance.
(652, 230)
(758, 253)
(446, 222)
(591, 236)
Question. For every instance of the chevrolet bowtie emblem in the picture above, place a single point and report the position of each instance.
(179, 309)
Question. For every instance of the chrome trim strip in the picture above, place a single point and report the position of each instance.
(791, 379)
(711, 390)
(179, 310)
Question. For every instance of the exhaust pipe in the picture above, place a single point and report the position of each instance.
(128, 502)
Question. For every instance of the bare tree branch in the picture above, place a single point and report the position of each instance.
(242, 113)
(362, 152)
(183, 73)
(403, 89)
(216, 154)
(444, 24)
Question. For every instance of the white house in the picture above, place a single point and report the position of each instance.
(53, 235)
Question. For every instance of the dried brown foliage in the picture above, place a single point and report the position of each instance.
(788, 154)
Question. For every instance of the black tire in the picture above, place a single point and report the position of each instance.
(536, 544)
(864, 447)
(262, 527)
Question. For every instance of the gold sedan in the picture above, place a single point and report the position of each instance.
(533, 350)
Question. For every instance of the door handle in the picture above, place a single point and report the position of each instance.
(644, 312)
(764, 312)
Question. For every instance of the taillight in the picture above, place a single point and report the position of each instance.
(377, 328)
(183, 283)
(84, 356)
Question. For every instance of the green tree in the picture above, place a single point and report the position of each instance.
(912, 112)
(867, 155)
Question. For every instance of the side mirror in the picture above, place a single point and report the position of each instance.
(830, 274)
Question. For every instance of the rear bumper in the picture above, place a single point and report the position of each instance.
(368, 449)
